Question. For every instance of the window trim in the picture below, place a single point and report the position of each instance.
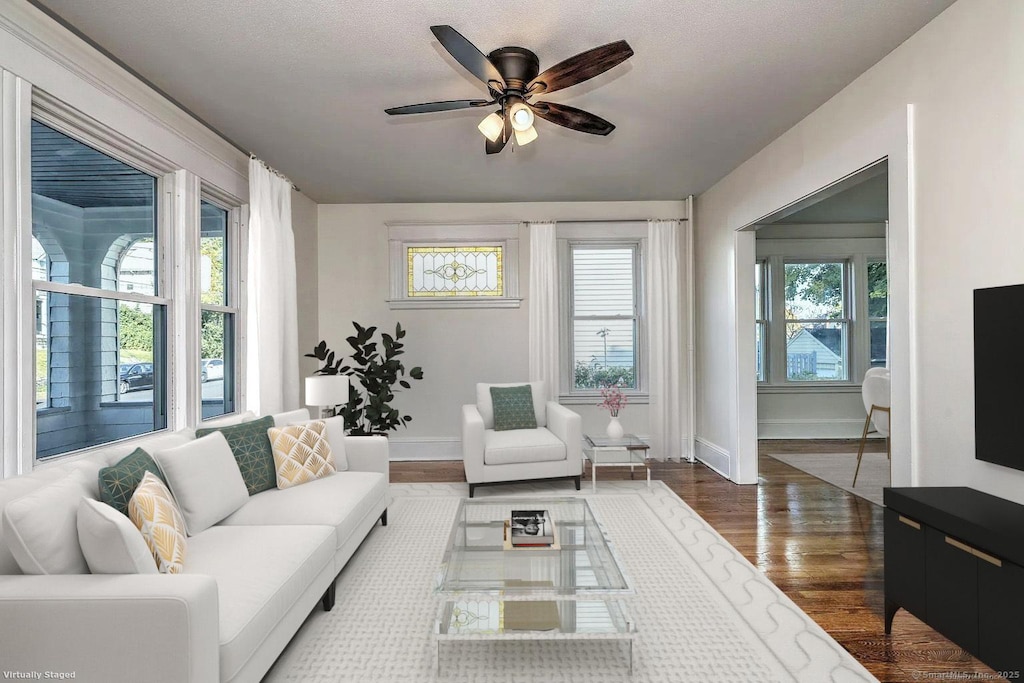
(568, 394)
(401, 236)
(846, 321)
(762, 319)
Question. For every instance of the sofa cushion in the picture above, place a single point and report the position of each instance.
(251, 447)
(301, 453)
(341, 500)
(513, 408)
(153, 511)
(228, 420)
(110, 542)
(521, 445)
(118, 482)
(335, 437)
(260, 572)
(41, 528)
(291, 417)
(205, 480)
(486, 407)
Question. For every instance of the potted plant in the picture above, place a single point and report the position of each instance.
(378, 369)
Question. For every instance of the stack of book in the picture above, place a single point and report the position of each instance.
(532, 529)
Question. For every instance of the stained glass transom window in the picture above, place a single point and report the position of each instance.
(444, 271)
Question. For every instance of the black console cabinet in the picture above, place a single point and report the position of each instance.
(954, 558)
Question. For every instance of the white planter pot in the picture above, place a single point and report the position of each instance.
(614, 429)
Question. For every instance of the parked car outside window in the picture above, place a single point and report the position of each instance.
(211, 368)
(134, 376)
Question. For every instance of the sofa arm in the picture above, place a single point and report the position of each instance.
(368, 454)
(567, 425)
(112, 627)
(472, 443)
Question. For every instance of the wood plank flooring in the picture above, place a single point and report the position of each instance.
(819, 544)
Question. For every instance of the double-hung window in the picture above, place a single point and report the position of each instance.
(817, 321)
(98, 280)
(878, 312)
(604, 332)
(761, 318)
(218, 291)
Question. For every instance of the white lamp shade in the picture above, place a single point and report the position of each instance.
(326, 390)
(492, 126)
(525, 137)
(522, 117)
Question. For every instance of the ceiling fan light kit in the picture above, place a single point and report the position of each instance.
(512, 76)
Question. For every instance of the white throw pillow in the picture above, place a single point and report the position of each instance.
(205, 480)
(335, 437)
(41, 528)
(110, 542)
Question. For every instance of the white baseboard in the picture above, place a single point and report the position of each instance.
(713, 455)
(424, 448)
(810, 428)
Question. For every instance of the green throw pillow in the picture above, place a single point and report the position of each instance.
(251, 447)
(513, 408)
(118, 482)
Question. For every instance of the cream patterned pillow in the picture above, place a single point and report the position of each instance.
(153, 510)
(301, 453)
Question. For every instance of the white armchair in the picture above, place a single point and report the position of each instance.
(554, 450)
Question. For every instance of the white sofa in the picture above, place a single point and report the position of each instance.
(554, 450)
(249, 581)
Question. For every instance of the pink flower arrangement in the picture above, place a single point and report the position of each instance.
(613, 400)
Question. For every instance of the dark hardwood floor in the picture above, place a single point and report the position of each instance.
(819, 544)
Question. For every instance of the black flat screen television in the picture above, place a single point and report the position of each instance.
(999, 375)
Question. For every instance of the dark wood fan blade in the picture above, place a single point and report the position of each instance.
(582, 67)
(467, 54)
(499, 144)
(573, 118)
(428, 107)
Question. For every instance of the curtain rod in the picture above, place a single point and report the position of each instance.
(610, 220)
(274, 171)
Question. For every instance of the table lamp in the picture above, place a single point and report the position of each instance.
(327, 391)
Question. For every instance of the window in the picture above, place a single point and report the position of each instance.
(761, 318)
(100, 315)
(219, 312)
(817, 321)
(878, 312)
(604, 330)
(455, 271)
(434, 266)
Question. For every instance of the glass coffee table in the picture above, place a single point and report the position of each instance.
(629, 451)
(490, 591)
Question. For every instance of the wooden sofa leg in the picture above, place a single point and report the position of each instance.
(384, 518)
(328, 599)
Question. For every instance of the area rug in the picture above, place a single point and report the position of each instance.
(838, 468)
(703, 612)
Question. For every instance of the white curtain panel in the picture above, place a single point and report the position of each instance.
(664, 320)
(544, 307)
(272, 347)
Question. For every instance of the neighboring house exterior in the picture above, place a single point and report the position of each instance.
(807, 355)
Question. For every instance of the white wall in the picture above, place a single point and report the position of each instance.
(304, 221)
(955, 208)
(456, 347)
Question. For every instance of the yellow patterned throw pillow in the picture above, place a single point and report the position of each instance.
(301, 453)
(153, 510)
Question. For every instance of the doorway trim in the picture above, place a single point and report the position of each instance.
(890, 139)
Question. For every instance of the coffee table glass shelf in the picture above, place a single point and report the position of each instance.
(572, 592)
(602, 451)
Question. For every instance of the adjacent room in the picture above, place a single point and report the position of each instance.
(560, 342)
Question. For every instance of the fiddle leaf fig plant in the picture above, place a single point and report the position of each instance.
(378, 369)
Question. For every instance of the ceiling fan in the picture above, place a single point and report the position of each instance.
(512, 78)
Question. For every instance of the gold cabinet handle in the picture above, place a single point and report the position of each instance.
(974, 551)
(910, 522)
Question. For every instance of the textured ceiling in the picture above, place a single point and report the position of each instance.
(304, 85)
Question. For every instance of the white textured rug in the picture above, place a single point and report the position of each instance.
(703, 613)
(838, 468)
